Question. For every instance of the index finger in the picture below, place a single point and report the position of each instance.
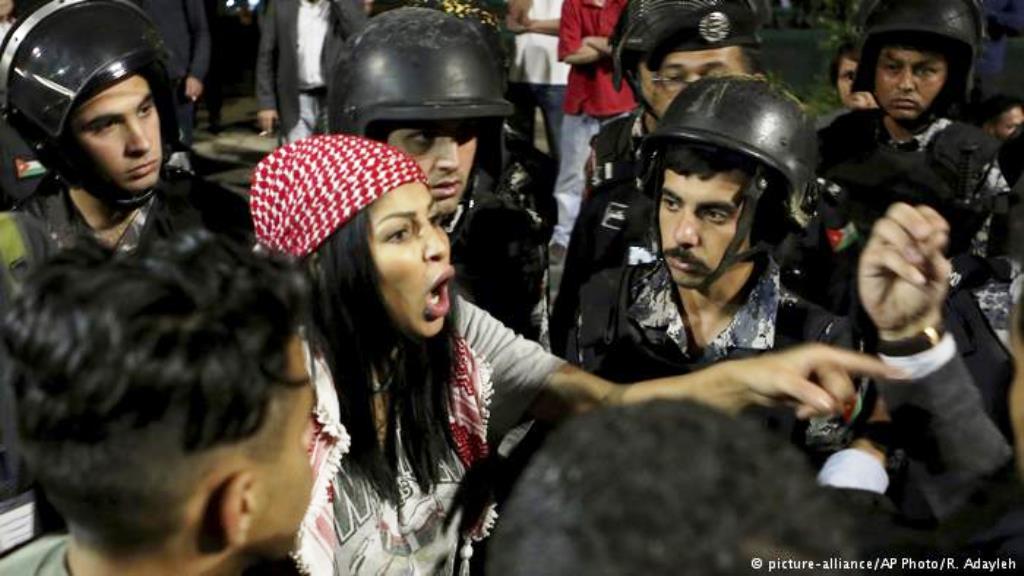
(838, 383)
(854, 363)
(811, 398)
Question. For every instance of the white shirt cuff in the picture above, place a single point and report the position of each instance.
(925, 363)
(852, 468)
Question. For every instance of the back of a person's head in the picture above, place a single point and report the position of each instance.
(663, 488)
(130, 372)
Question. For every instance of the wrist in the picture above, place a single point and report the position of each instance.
(931, 320)
(923, 340)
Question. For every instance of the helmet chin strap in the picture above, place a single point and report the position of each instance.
(134, 200)
(751, 195)
(465, 204)
(638, 94)
(78, 171)
(114, 196)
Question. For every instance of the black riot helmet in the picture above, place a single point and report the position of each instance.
(954, 28)
(648, 30)
(476, 14)
(419, 64)
(416, 64)
(62, 54)
(744, 116)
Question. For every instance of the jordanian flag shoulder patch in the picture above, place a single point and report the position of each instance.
(28, 167)
(841, 239)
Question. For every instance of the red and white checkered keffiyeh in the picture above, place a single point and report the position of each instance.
(304, 191)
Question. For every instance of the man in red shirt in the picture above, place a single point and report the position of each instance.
(590, 99)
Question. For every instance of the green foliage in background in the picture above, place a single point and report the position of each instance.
(837, 18)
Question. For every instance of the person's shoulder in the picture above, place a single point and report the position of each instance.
(178, 182)
(616, 125)
(967, 128)
(852, 122)
(614, 142)
(789, 300)
(43, 557)
(219, 209)
(46, 193)
(967, 135)
(469, 317)
(605, 287)
(847, 136)
(808, 321)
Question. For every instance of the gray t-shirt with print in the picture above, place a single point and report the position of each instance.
(377, 537)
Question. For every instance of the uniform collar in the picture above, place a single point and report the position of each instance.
(920, 140)
(752, 328)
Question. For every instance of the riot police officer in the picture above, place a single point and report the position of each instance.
(721, 186)
(659, 47)
(917, 61)
(98, 110)
(431, 84)
(729, 161)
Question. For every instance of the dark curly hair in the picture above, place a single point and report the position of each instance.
(125, 368)
(663, 488)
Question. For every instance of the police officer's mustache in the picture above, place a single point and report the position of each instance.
(684, 256)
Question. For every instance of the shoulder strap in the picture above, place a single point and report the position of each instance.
(605, 297)
(613, 153)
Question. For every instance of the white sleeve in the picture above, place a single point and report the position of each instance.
(852, 468)
(924, 363)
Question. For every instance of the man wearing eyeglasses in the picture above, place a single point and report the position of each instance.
(658, 48)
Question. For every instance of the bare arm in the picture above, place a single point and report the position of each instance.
(599, 43)
(549, 27)
(573, 46)
(585, 55)
(518, 10)
(815, 378)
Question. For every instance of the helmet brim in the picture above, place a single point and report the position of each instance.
(428, 111)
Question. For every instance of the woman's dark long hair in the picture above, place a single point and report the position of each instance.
(362, 345)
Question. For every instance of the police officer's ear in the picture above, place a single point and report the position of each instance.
(313, 268)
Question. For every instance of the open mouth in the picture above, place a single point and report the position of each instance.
(438, 299)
